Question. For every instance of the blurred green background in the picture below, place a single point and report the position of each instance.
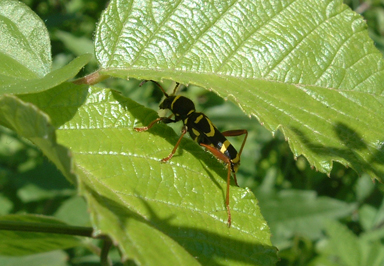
(302, 207)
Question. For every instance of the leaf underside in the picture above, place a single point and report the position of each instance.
(306, 67)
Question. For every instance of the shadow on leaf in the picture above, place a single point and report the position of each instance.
(352, 153)
(201, 244)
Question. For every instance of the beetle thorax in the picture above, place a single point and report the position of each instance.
(181, 106)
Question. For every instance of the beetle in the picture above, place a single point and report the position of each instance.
(202, 130)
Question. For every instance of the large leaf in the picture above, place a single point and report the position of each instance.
(305, 66)
(25, 52)
(174, 210)
(25, 49)
(158, 214)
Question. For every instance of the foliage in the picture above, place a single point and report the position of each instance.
(301, 79)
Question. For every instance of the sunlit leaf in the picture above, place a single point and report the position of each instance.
(25, 48)
(307, 67)
(25, 52)
(174, 210)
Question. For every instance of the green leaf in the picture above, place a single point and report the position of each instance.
(6, 205)
(367, 215)
(25, 52)
(43, 182)
(364, 188)
(307, 67)
(347, 249)
(371, 220)
(74, 211)
(49, 81)
(25, 49)
(294, 212)
(174, 210)
(19, 243)
(31, 123)
(137, 238)
(77, 45)
(53, 258)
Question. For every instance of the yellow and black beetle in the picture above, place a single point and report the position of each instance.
(201, 130)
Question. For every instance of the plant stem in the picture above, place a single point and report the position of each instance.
(91, 79)
(47, 228)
